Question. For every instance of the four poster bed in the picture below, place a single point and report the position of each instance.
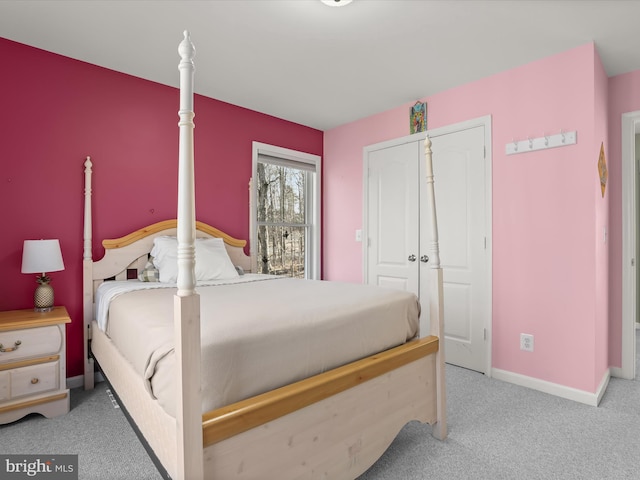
(299, 378)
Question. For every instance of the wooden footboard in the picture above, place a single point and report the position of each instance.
(336, 438)
(335, 424)
(230, 420)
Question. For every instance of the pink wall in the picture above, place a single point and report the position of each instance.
(601, 137)
(544, 276)
(624, 97)
(57, 111)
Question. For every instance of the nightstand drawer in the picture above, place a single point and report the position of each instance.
(34, 379)
(29, 342)
(5, 391)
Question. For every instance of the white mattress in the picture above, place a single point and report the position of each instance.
(259, 334)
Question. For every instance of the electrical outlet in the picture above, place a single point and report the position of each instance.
(526, 342)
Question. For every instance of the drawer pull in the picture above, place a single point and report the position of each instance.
(10, 349)
(34, 381)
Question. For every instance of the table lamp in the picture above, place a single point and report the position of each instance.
(41, 256)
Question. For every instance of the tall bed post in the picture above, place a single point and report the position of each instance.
(436, 309)
(87, 285)
(189, 445)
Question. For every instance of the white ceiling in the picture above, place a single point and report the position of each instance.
(324, 66)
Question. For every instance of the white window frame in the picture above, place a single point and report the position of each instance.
(313, 261)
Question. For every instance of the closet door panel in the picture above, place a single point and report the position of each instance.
(393, 223)
(458, 163)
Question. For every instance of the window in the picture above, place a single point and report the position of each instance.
(285, 212)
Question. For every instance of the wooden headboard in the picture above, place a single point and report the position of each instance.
(125, 256)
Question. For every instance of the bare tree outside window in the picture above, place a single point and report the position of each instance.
(281, 218)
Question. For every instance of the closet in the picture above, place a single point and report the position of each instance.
(396, 217)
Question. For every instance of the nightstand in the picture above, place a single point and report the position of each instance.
(33, 363)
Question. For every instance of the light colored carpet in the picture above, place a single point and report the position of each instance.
(98, 433)
(501, 431)
(496, 431)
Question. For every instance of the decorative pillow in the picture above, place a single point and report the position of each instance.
(150, 273)
(212, 260)
(165, 258)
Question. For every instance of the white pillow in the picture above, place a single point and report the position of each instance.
(212, 260)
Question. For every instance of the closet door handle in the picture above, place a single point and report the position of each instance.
(424, 258)
(412, 258)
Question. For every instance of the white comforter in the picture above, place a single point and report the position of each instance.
(258, 333)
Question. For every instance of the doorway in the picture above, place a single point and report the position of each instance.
(630, 197)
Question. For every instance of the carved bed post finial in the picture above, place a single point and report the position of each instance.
(186, 49)
(435, 249)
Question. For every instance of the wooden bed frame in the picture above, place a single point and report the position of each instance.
(333, 425)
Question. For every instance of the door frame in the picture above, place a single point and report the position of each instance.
(630, 122)
(484, 121)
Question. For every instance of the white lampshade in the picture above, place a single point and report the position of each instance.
(41, 256)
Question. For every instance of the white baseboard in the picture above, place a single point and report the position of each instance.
(604, 383)
(617, 372)
(556, 389)
(78, 381)
(75, 382)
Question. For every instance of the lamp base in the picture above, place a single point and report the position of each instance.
(42, 309)
(43, 298)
